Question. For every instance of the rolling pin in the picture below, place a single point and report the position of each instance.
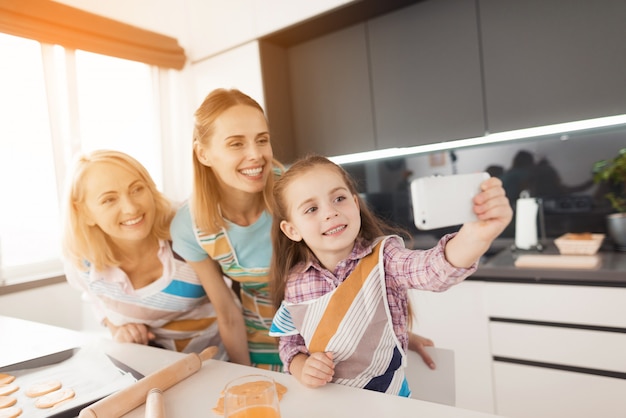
(127, 399)
(155, 407)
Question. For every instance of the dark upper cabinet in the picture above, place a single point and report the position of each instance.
(406, 78)
(551, 61)
(330, 94)
(440, 70)
(425, 71)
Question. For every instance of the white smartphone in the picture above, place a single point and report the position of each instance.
(442, 201)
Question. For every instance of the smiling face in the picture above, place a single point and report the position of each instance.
(119, 202)
(239, 150)
(323, 213)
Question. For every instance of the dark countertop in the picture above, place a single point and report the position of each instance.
(498, 266)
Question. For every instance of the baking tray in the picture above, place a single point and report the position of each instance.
(87, 370)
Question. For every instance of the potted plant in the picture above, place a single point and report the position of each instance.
(612, 173)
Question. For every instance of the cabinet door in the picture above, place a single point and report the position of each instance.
(583, 305)
(533, 392)
(426, 77)
(455, 319)
(330, 94)
(558, 349)
(552, 61)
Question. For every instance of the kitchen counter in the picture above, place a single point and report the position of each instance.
(498, 265)
(196, 395)
(611, 270)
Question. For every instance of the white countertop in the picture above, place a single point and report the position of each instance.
(197, 394)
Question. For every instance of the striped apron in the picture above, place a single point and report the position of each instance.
(354, 323)
(255, 298)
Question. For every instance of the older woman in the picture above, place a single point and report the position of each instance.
(116, 242)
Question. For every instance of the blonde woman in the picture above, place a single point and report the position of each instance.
(116, 243)
(224, 228)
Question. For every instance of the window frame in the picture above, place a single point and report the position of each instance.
(56, 23)
(65, 124)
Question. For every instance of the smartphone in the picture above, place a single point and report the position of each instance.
(442, 201)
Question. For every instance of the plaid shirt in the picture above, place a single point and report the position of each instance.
(404, 269)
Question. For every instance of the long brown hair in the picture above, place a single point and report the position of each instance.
(206, 197)
(287, 253)
(82, 242)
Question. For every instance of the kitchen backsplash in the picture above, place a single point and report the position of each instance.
(557, 169)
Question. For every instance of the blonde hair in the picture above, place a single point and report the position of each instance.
(207, 196)
(82, 242)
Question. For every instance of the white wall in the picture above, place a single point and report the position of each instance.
(57, 304)
(207, 27)
(166, 17)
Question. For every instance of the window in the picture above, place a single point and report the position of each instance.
(55, 103)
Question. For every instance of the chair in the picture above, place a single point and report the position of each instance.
(432, 385)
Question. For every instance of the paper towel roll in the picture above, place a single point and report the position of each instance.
(526, 223)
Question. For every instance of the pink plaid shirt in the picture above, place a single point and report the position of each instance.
(404, 269)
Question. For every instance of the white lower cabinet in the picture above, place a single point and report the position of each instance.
(558, 350)
(456, 319)
(531, 350)
(533, 392)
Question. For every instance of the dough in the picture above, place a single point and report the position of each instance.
(10, 412)
(218, 409)
(6, 401)
(53, 398)
(8, 389)
(42, 388)
(5, 379)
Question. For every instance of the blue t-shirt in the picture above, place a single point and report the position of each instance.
(252, 244)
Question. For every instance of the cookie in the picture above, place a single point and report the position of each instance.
(10, 412)
(218, 409)
(39, 389)
(53, 398)
(8, 389)
(6, 401)
(5, 379)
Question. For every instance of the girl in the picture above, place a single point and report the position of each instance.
(343, 283)
(117, 250)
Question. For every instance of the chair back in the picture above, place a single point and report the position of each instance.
(432, 385)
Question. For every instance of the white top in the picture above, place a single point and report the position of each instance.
(198, 394)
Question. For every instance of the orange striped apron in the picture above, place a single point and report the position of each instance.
(258, 309)
(354, 323)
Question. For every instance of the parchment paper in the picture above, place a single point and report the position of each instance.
(89, 373)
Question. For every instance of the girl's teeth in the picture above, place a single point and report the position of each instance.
(332, 231)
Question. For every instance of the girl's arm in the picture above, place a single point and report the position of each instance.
(474, 238)
(229, 314)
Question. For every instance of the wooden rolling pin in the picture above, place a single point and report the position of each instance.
(127, 399)
(155, 406)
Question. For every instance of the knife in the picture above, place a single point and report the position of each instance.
(125, 368)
